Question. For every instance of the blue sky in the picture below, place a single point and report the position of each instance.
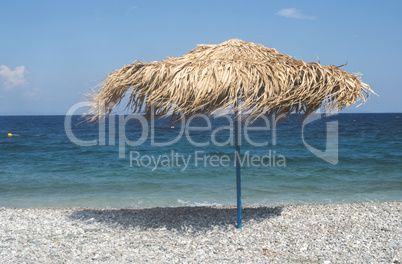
(53, 52)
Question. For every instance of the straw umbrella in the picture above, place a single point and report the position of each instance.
(245, 76)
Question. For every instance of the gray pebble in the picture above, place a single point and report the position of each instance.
(330, 233)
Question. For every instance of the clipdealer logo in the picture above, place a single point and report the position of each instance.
(330, 154)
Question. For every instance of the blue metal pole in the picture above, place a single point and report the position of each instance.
(238, 175)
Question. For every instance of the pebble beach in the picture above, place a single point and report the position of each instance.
(314, 233)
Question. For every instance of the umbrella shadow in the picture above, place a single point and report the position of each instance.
(178, 218)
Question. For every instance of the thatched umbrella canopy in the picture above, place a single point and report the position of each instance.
(214, 77)
(248, 76)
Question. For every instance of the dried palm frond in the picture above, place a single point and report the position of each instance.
(209, 78)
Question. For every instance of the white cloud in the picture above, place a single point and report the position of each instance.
(293, 13)
(13, 78)
(130, 9)
(32, 93)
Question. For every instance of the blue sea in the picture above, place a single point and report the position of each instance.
(59, 161)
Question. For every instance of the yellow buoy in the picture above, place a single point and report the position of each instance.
(10, 135)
